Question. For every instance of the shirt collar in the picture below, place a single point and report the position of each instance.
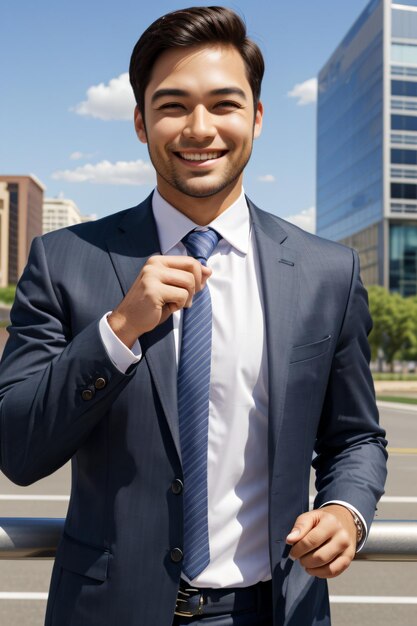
(172, 225)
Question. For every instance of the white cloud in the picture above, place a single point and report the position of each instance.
(305, 219)
(106, 173)
(76, 156)
(114, 101)
(306, 92)
(267, 178)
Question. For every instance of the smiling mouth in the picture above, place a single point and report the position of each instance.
(197, 157)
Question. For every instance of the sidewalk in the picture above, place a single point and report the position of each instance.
(409, 408)
(4, 312)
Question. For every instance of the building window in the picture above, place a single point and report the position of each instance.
(404, 23)
(403, 258)
(404, 190)
(404, 87)
(404, 122)
(404, 53)
(405, 157)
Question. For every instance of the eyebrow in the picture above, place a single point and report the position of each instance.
(223, 91)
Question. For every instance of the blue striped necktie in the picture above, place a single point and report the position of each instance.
(193, 410)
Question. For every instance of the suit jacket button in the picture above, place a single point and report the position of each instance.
(177, 486)
(100, 383)
(87, 394)
(176, 555)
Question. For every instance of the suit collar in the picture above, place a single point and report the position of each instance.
(266, 224)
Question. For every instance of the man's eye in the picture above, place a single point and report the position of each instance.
(226, 104)
(171, 105)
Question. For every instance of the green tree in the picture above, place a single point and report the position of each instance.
(394, 323)
(410, 352)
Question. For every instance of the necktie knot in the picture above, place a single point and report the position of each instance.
(201, 243)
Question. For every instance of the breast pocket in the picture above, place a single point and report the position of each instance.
(310, 350)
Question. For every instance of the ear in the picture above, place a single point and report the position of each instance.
(257, 128)
(140, 126)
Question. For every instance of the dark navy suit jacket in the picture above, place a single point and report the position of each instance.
(116, 564)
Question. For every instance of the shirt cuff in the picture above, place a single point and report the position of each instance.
(352, 508)
(118, 352)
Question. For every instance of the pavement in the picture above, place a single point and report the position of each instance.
(4, 312)
(3, 338)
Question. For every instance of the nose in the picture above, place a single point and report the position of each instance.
(199, 124)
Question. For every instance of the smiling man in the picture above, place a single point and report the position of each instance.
(190, 355)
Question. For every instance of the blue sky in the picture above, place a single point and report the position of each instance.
(53, 52)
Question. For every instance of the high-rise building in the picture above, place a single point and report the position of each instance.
(367, 144)
(25, 220)
(4, 235)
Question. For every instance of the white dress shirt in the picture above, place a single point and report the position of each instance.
(238, 401)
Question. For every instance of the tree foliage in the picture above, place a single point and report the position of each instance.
(395, 325)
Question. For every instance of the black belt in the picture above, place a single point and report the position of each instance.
(192, 601)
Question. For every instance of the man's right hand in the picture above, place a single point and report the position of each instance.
(166, 284)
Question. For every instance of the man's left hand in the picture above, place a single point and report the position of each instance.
(324, 540)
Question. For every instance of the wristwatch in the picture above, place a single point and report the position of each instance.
(360, 531)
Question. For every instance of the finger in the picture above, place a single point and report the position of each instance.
(332, 569)
(326, 553)
(175, 298)
(179, 278)
(314, 539)
(186, 263)
(174, 261)
(303, 524)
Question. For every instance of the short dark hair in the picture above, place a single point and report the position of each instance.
(192, 27)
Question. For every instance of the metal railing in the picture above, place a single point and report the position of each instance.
(38, 538)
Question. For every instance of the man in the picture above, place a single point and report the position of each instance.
(189, 355)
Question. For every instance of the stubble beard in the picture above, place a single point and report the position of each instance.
(174, 179)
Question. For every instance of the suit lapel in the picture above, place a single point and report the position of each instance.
(135, 242)
(278, 266)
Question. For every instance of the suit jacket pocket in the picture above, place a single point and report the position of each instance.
(84, 559)
(310, 350)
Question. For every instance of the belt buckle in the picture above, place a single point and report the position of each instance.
(182, 607)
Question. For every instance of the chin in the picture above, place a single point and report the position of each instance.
(204, 191)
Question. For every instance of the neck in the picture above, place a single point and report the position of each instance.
(201, 211)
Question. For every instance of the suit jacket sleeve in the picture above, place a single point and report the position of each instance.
(351, 457)
(44, 371)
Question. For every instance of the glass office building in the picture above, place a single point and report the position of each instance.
(367, 144)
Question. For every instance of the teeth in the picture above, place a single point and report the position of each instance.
(198, 156)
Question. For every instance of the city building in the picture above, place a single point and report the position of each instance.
(62, 212)
(367, 144)
(59, 213)
(4, 235)
(25, 195)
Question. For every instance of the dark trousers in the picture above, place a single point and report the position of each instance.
(238, 619)
(254, 608)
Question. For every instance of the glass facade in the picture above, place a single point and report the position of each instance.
(403, 258)
(366, 242)
(402, 243)
(350, 131)
(367, 181)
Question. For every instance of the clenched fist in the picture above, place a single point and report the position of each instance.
(166, 284)
(324, 540)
